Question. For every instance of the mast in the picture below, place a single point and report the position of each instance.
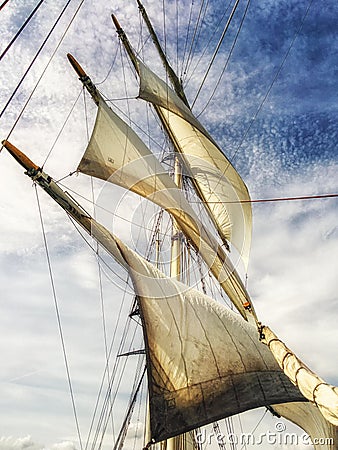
(177, 84)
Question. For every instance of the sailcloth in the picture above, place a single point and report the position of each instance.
(323, 434)
(216, 181)
(115, 153)
(204, 362)
(310, 385)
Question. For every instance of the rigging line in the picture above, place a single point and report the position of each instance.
(195, 36)
(151, 139)
(112, 378)
(104, 209)
(119, 315)
(277, 199)
(164, 27)
(131, 405)
(58, 318)
(136, 388)
(33, 61)
(242, 430)
(101, 422)
(259, 422)
(4, 4)
(101, 296)
(59, 134)
(21, 28)
(216, 50)
(46, 67)
(207, 45)
(274, 79)
(186, 39)
(110, 352)
(177, 34)
(93, 249)
(110, 68)
(227, 60)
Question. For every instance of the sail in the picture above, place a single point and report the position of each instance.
(204, 362)
(323, 434)
(311, 386)
(115, 153)
(216, 181)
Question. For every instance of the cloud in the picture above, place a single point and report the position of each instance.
(27, 442)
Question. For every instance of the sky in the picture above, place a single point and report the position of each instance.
(283, 144)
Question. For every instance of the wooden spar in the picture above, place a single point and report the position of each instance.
(87, 82)
(20, 157)
(126, 43)
(103, 236)
(177, 85)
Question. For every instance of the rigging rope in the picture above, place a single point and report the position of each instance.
(274, 79)
(227, 60)
(4, 4)
(60, 131)
(46, 67)
(186, 39)
(33, 61)
(216, 50)
(21, 28)
(194, 39)
(58, 319)
(278, 199)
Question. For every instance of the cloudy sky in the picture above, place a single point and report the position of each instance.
(283, 145)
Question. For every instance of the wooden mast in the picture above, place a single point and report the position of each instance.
(177, 85)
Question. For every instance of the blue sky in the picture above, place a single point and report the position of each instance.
(290, 150)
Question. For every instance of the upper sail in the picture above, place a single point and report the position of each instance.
(115, 153)
(216, 181)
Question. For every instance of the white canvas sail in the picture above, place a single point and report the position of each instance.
(314, 388)
(217, 182)
(204, 362)
(323, 434)
(115, 153)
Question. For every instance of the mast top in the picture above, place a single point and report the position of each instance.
(20, 157)
(87, 82)
(177, 85)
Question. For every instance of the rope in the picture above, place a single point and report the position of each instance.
(34, 59)
(45, 69)
(58, 319)
(4, 4)
(274, 79)
(227, 60)
(59, 133)
(217, 49)
(186, 39)
(278, 199)
(21, 28)
(194, 38)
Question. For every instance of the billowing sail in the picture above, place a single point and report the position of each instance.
(216, 181)
(204, 362)
(323, 434)
(310, 385)
(115, 153)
